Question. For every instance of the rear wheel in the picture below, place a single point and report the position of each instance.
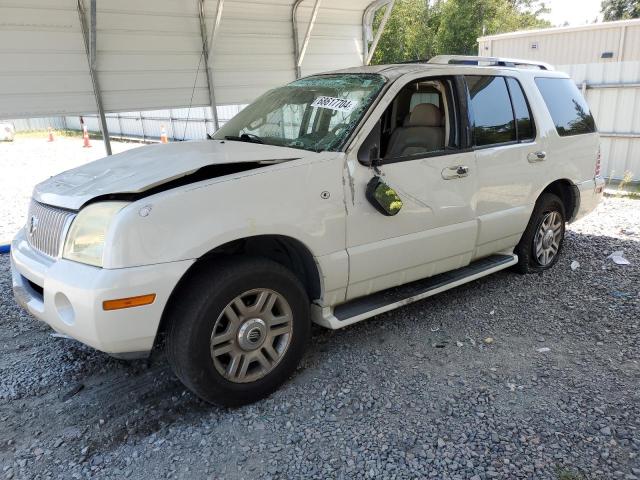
(542, 241)
(238, 330)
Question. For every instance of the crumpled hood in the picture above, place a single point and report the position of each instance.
(140, 169)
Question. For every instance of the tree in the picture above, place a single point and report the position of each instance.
(420, 29)
(409, 33)
(620, 9)
(463, 21)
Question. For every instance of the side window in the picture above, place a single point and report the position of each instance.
(567, 107)
(524, 122)
(422, 120)
(492, 112)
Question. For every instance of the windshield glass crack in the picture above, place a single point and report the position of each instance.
(317, 113)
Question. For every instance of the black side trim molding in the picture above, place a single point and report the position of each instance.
(392, 295)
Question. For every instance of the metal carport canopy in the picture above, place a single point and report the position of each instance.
(151, 54)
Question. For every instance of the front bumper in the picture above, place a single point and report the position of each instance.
(68, 296)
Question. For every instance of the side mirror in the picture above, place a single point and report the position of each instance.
(369, 153)
(383, 197)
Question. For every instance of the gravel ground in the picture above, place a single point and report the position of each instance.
(459, 386)
(30, 160)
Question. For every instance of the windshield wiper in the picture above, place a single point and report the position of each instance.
(245, 137)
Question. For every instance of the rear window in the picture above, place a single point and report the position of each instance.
(567, 107)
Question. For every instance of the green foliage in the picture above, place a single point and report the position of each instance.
(409, 33)
(626, 180)
(463, 21)
(620, 9)
(568, 474)
(419, 29)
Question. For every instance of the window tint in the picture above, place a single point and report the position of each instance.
(568, 109)
(492, 113)
(524, 123)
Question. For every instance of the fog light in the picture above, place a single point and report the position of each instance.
(64, 309)
(129, 302)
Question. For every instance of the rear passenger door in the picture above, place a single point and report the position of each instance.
(508, 159)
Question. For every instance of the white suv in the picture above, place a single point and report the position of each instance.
(331, 199)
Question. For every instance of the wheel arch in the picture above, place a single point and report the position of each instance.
(287, 251)
(568, 192)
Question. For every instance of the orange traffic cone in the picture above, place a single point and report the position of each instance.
(50, 135)
(85, 137)
(163, 135)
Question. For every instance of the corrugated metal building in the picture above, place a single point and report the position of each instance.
(604, 60)
(148, 53)
(71, 57)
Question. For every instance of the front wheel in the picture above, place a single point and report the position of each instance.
(238, 330)
(542, 241)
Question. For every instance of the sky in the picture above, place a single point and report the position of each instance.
(576, 12)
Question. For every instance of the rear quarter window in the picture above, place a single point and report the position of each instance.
(524, 122)
(568, 108)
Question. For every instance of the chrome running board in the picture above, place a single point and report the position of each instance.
(362, 308)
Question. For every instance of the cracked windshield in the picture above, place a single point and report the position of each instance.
(316, 113)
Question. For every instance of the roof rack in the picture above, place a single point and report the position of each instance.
(488, 62)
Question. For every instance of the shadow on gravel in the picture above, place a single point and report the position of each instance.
(616, 286)
(64, 393)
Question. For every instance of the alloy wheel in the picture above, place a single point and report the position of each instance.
(546, 243)
(251, 335)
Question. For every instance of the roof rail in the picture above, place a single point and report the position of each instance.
(488, 62)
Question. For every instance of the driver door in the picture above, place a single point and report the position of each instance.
(436, 228)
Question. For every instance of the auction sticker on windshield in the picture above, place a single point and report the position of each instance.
(332, 103)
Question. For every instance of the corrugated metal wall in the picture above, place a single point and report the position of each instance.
(612, 85)
(148, 52)
(560, 46)
(29, 124)
(42, 60)
(613, 93)
(337, 35)
(179, 123)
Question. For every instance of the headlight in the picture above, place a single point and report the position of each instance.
(85, 240)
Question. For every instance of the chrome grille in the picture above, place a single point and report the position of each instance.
(45, 226)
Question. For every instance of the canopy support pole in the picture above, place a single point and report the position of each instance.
(296, 45)
(298, 52)
(307, 37)
(206, 48)
(89, 36)
(367, 27)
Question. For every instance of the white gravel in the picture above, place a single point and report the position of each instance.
(416, 393)
(27, 161)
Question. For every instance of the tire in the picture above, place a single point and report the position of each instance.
(220, 306)
(549, 210)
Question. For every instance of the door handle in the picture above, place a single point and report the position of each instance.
(539, 156)
(457, 171)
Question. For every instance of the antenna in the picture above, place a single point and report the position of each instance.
(203, 54)
(195, 82)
